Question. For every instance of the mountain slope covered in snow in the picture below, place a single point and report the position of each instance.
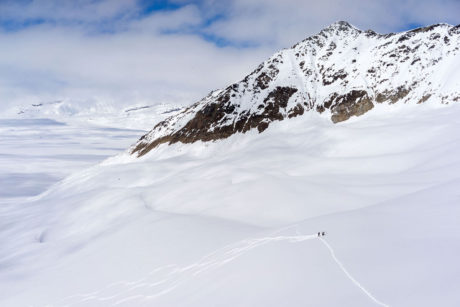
(232, 223)
(340, 72)
(235, 222)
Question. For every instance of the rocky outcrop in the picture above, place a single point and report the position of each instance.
(203, 126)
(392, 95)
(354, 103)
(339, 73)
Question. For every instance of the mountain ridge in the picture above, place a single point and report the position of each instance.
(340, 72)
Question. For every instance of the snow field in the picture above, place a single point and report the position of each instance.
(232, 223)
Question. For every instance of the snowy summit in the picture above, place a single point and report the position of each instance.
(340, 72)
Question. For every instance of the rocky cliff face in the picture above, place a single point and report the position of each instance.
(340, 72)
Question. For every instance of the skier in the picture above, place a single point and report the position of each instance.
(323, 234)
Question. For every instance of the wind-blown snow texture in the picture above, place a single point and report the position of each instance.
(341, 72)
(230, 223)
(233, 222)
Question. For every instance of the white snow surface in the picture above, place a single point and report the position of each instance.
(42, 143)
(234, 222)
(38, 152)
(97, 113)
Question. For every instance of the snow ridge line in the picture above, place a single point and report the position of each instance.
(342, 267)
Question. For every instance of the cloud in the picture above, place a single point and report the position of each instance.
(170, 21)
(282, 23)
(137, 64)
(77, 11)
(119, 52)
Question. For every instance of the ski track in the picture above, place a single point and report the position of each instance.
(171, 276)
(342, 267)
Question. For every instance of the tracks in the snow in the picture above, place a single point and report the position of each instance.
(342, 267)
(165, 279)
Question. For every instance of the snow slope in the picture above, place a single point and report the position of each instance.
(38, 152)
(42, 143)
(233, 222)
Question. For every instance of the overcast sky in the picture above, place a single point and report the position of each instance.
(129, 52)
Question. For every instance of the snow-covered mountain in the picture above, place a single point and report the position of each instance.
(137, 116)
(340, 72)
(235, 222)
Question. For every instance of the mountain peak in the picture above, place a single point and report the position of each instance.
(337, 78)
(340, 26)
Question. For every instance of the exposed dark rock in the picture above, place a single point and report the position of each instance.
(203, 126)
(371, 70)
(435, 36)
(296, 111)
(332, 46)
(355, 103)
(405, 37)
(392, 96)
(328, 102)
(320, 109)
(262, 126)
(371, 33)
(262, 81)
(331, 78)
(339, 26)
(454, 30)
(404, 49)
(425, 29)
(424, 98)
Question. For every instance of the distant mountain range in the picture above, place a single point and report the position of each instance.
(100, 113)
